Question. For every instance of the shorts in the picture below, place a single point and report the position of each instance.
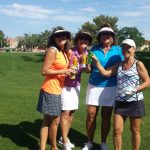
(133, 109)
(49, 104)
(70, 98)
(101, 96)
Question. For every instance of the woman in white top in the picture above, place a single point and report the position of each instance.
(129, 98)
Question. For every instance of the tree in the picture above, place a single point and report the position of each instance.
(130, 32)
(3, 42)
(29, 41)
(43, 39)
(97, 24)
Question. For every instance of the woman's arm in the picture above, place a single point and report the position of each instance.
(143, 75)
(105, 72)
(48, 61)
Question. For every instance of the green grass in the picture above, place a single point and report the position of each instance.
(20, 81)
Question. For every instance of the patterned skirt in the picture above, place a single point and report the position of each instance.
(49, 104)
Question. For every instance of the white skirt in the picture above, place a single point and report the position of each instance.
(101, 96)
(70, 98)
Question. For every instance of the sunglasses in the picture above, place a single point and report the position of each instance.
(60, 34)
(106, 33)
(126, 48)
(83, 38)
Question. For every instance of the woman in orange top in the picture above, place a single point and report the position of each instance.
(54, 69)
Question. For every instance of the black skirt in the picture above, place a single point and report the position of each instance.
(130, 109)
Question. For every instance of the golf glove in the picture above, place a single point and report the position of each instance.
(130, 91)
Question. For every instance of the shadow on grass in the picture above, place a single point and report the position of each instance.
(26, 134)
(39, 58)
(22, 134)
(77, 138)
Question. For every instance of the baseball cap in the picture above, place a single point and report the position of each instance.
(129, 42)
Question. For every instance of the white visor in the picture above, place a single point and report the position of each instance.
(106, 29)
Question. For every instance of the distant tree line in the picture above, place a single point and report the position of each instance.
(30, 41)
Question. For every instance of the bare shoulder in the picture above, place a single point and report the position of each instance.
(70, 51)
(140, 64)
(52, 50)
(141, 67)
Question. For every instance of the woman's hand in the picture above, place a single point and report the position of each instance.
(70, 71)
(95, 59)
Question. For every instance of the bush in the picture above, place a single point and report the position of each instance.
(8, 50)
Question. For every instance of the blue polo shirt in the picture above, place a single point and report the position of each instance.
(113, 56)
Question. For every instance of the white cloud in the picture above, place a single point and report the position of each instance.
(132, 13)
(28, 11)
(71, 18)
(88, 9)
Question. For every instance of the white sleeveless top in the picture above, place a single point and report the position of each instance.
(126, 79)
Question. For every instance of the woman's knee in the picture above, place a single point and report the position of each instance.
(135, 130)
(117, 131)
(135, 126)
(91, 115)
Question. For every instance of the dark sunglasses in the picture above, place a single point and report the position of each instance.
(126, 47)
(83, 38)
(60, 34)
(106, 33)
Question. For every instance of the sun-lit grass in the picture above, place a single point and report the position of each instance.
(20, 81)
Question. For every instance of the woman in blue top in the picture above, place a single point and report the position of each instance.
(101, 90)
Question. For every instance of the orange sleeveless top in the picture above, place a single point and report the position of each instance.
(53, 84)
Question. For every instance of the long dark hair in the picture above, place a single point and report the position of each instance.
(51, 39)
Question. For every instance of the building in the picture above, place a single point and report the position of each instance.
(146, 45)
(12, 42)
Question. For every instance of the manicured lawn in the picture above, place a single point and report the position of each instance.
(20, 81)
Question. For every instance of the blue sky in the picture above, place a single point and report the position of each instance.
(35, 16)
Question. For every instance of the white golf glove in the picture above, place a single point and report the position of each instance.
(130, 91)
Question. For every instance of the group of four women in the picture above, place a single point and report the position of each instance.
(113, 71)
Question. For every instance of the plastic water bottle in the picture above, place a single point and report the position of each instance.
(89, 61)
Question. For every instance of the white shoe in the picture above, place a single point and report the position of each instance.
(87, 146)
(71, 144)
(103, 146)
(66, 146)
(61, 142)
